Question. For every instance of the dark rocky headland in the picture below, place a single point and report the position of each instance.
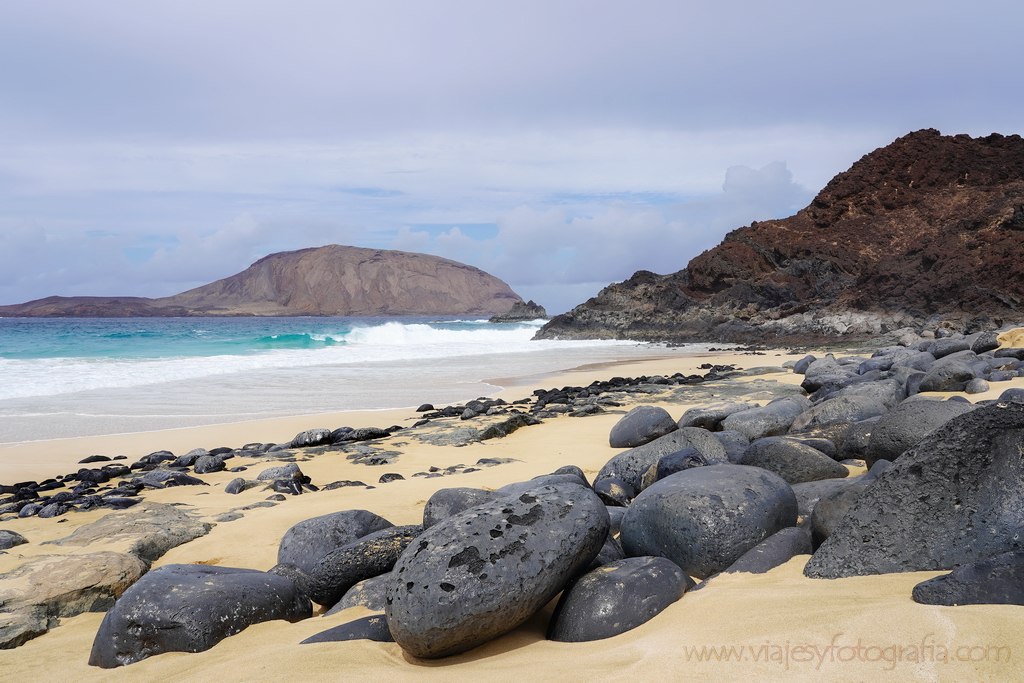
(923, 232)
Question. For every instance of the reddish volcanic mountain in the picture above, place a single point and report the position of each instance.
(928, 228)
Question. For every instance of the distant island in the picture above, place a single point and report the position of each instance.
(333, 280)
(922, 232)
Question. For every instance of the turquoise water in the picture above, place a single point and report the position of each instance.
(72, 377)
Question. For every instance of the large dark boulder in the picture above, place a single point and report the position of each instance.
(481, 573)
(705, 518)
(630, 466)
(641, 425)
(710, 417)
(954, 498)
(996, 580)
(770, 420)
(370, 556)
(447, 502)
(906, 425)
(951, 376)
(616, 598)
(306, 542)
(191, 608)
(793, 461)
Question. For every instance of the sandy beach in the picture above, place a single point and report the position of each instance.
(774, 626)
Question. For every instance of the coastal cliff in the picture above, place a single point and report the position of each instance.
(927, 228)
(330, 280)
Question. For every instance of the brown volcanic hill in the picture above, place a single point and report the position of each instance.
(330, 280)
(927, 228)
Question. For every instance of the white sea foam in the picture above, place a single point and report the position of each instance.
(370, 344)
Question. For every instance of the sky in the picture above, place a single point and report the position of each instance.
(150, 147)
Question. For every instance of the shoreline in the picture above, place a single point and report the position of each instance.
(47, 457)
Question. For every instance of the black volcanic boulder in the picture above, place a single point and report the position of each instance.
(769, 420)
(777, 549)
(793, 461)
(373, 627)
(630, 466)
(953, 499)
(447, 502)
(996, 580)
(641, 425)
(951, 376)
(705, 518)
(370, 556)
(710, 416)
(306, 542)
(191, 608)
(481, 573)
(617, 597)
(907, 424)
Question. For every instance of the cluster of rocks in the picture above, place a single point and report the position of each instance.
(729, 486)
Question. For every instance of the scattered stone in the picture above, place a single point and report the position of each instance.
(792, 460)
(389, 477)
(641, 425)
(705, 518)
(191, 608)
(503, 429)
(483, 572)
(777, 549)
(335, 573)
(159, 479)
(373, 627)
(9, 539)
(617, 597)
(311, 437)
(614, 491)
(309, 540)
(997, 580)
(369, 593)
(289, 471)
(445, 503)
(206, 464)
(770, 420)
(343, 483)
(710, 417)
(630, 466)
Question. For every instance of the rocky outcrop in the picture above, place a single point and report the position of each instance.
(521, 312)
(330, 280)
(925, 229)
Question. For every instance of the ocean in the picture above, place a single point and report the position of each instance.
(70, 377)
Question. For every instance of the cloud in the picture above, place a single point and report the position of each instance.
(557, 255)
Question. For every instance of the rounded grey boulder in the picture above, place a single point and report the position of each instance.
(793, 461)
(191, 608)
(370, 556)
(481, 573)
(617, 597)
(705, 518)
(641, 425)
(770, 420)
(630, 466)
(447, 502)
(311, 539)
